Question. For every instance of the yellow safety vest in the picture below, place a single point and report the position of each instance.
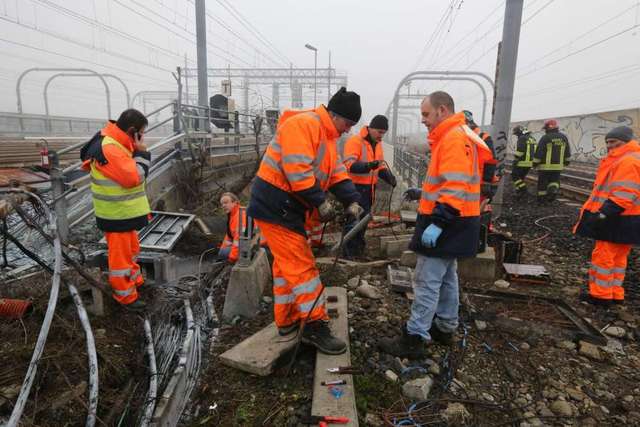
(112, 201)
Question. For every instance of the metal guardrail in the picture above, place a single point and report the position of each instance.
(412, 167)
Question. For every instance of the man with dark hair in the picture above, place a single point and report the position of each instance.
(364, 160)
(119, 162)
(301, 164)
(523, 158)
(553, 153)
(447, 227)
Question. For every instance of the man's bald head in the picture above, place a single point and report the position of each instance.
(435, 108)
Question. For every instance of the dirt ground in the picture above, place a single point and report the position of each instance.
(512, 364)
(59, 394)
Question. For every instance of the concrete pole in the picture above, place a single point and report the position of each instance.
(507, 76)
(506, 72)
(201, 42)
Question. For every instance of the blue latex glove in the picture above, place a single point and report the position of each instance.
(430, 236)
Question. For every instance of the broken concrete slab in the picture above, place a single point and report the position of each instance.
(323, 401)
(482, 267)
(393, 246)
(409, 259)
(246, 286)
(409, 217)
(259, 353)
(351, 268)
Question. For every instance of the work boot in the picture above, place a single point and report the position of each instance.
(137, 305)
(319, 335)
(405, 345)
(444, 338)
(585, 296)
(286, 330)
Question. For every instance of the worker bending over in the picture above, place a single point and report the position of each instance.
(299, 166)
(523, 158)
(364, 160)
(552, 155)
(229, 247)
(118, 161)
(611, 215)
(447, 227)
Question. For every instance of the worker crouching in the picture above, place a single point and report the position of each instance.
(119, 162)
(611, 215)
(229, 248)
(364, 160)
(299, 166)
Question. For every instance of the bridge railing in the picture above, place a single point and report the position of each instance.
(411, 166)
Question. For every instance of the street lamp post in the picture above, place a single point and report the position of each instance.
(315, 72)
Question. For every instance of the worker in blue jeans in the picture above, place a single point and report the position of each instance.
(447, 227)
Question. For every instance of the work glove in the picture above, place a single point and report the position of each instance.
(373, 165)
(430, 236)
(392, 181)
(355, 210)
(326, 211)
(412, 194)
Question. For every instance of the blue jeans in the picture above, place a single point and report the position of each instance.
(436, 294)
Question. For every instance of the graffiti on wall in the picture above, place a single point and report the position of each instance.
(586, 133)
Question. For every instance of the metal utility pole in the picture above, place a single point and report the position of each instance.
(329, 80)
(506, 72)
(315, 72)
(201, 41)
(506, 77)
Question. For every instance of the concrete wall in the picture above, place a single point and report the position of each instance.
(586, 132)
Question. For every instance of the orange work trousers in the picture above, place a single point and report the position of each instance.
(314, 228)
(124, 273)
(608, 265)
(296, 280)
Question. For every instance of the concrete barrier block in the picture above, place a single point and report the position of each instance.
(409, 259)
(482, 267)
(395, 248)
(246, 286)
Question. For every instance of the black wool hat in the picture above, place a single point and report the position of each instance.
(346, 104)
(623, 133)
(379, 122)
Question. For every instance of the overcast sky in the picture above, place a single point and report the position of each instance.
(576, 56)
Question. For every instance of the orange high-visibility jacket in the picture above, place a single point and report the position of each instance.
(232, 237)
(303, 151)
(358, 149)
(451, 190)
(616, 193)
(453, 175)
(127, 168)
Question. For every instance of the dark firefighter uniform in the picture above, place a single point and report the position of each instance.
(523, 158)
(552, 155)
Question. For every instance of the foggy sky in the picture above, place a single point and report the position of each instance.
(376, 42)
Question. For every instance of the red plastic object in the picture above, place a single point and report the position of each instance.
(14, 308)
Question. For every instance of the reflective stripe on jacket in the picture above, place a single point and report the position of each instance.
(232, 237)
(451, 190)
(118, 187)
(359, 149)
(616, 193)
(525, 149)
(303, 152)
(553, 152)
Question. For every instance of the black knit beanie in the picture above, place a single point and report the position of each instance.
(623, 133)
(346, 104)
(379, 122)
